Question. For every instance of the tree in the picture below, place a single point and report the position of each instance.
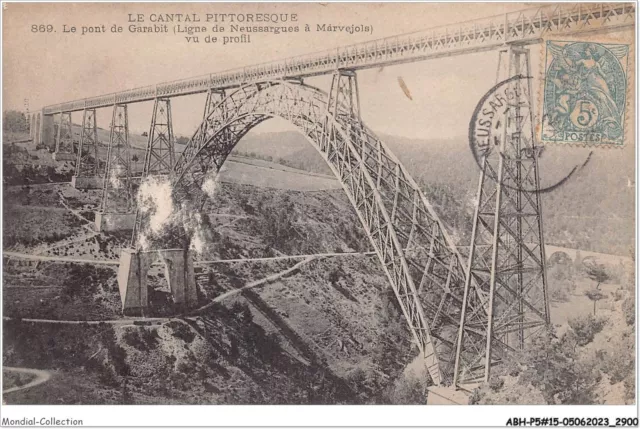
(598, 274)
(14, 121)
(585, 328)
(556, 368)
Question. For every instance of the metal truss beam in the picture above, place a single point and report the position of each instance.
(88, 160)
(523, 27)
(507, 256)
(116, 190)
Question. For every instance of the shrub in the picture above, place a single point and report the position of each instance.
(141, 339)
(514, 393)
(107, 375)
(407, 390)
(586, 327)
(496, 383)
(559, 294)
(619, 363)
(277, 223)
(559, 371)
(182, 331)
(629, 310)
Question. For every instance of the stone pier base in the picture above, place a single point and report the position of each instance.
(446, 395)
(132, 278)
(132, 282)
(106, 222)
(87, 182)
(64, 156)
(46, 131)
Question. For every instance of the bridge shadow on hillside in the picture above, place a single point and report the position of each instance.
(244, 344)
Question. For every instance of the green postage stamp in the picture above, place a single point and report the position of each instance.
(584, 93)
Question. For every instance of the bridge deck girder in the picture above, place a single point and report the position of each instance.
(520, 27)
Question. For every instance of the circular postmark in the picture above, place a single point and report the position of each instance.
(502, 127)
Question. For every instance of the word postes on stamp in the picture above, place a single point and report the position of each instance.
(584, 93)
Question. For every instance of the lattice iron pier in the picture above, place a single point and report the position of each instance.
(90, 168)
(507, 283)
(159, 157)
(64, 148)
(160, 153)
(116, 207)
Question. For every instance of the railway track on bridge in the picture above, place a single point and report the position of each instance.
(521, 28)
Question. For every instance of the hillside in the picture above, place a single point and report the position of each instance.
(330, 332)
(594, 210)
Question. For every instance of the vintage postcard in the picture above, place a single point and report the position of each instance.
(319, 204)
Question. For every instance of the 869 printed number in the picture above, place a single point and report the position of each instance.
(35, 28)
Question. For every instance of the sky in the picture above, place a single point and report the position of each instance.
(48, 68)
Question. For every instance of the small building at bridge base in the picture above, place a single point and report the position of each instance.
(446, 395)
(133, 285)
(64, 156)
(106, 222)
(87, 182)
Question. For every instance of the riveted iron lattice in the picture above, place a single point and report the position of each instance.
(506, 287)
(423, 266)
(64, 134)
(116, 191)
(160, 154)
(214, 97)
(88, 160)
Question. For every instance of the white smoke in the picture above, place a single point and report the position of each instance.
(200, 234)
(156, 205)
(154, 198)
(114, 179)
(210, 186)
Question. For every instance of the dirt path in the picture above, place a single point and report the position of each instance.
(60, 258)
(88, 225)
(30, 256)
(142, 321)
(66, 242)
(38, 184)
(277, 258)
(41, 377)
(253, 284)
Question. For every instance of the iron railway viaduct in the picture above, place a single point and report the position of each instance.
(465, 314)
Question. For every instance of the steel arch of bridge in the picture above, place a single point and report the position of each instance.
(420, 260)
